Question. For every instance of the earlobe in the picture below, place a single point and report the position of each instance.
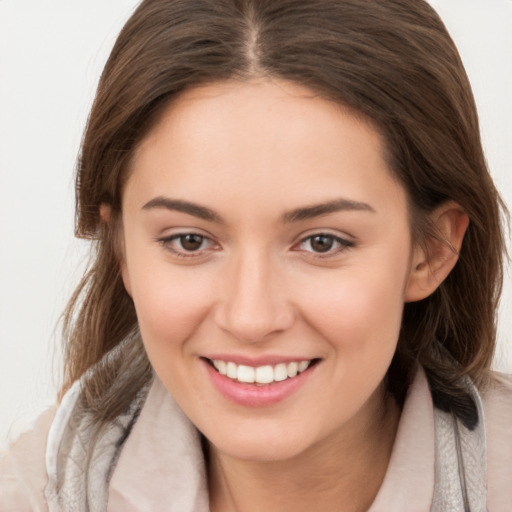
(432, 263)
(105, 213)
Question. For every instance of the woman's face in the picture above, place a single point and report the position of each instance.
(265, 234)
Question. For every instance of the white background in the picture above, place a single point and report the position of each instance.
(51, 55)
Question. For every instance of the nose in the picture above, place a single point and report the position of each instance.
(255, 302)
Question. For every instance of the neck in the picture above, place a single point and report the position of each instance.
(343, 472)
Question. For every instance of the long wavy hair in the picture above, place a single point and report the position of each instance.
(390, 61)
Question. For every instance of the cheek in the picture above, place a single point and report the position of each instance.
(359, 310)
(360, 320)
(171, 302)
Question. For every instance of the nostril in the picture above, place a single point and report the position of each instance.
(254, 324)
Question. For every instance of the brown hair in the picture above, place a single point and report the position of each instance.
(391, 61)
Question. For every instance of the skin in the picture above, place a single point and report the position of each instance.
(256, 285)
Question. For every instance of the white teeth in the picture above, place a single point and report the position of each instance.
(245, 373)
(303, 365)
(292, 369)
(280, 372)
(231, 370)
(221, 366)
(264, 374)
(261, 374)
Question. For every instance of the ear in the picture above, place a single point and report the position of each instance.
(431, 264)
(119, 248)
(105, 213)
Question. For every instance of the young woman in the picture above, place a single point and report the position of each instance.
(297, 262)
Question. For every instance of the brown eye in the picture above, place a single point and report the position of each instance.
(191, 241)
(188, 245)
(322, 243)
(325, 244)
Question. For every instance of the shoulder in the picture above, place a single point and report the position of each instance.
(497, 403)
(26, 467)
(23, 474)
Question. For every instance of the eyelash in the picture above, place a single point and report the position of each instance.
(343, 244)
(167, 243)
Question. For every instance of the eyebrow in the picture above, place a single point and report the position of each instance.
(319, 210)
(202, 212)
(296, 215)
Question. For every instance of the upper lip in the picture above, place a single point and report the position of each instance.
(255, 362)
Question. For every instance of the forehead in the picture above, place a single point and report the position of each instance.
(270, 143)
(257, 113)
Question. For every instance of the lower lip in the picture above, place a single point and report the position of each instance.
(252, 395)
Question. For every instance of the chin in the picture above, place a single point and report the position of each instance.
(262, 444)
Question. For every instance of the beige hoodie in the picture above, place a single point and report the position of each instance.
(148, 478)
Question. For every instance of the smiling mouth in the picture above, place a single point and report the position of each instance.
(261, 375)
